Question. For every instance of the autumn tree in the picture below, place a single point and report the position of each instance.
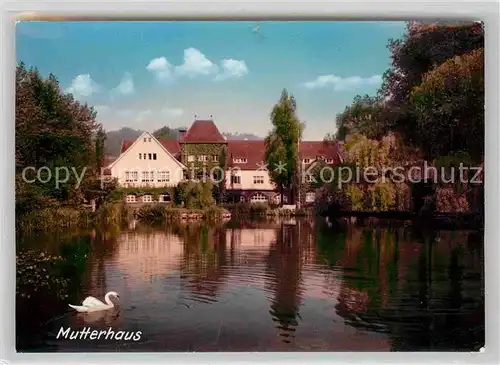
(423, 48)
(449, 107)
(282, 144)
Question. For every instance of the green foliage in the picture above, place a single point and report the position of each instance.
(432, 96)
(166, 133)
(197, 168)
(160, 213)
(53, 130)
(282, 143)
(355, 196)
(364, 116)
(383, 196)
(449, 106)
(194, 195)
(39, 273)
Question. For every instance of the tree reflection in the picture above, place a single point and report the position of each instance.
(284, 267)
(425, 289)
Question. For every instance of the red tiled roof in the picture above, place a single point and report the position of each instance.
(314, 149)
(171, 145)
(254, 151)
(203, 131)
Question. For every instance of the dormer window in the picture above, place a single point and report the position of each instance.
(329, 160)
(239, 160)
(307, 161)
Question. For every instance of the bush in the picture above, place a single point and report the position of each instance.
(153, 213)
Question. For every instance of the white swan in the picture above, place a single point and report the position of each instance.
(91, 304)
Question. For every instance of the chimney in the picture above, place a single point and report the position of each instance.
(182, 134)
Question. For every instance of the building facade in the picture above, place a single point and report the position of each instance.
(237, 166)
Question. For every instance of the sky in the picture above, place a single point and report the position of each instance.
(145, 75)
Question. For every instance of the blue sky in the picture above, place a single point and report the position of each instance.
(149, 74)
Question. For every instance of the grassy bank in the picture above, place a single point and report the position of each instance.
(62, 218)
(158, 213)
(264, 210)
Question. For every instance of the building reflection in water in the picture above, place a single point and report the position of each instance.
(417, 291)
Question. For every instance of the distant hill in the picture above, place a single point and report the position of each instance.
(114, 139)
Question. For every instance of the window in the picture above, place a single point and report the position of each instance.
(131, 199)
(203, 158)
(131, 176)
(149, 155)
(216, 158)
(277, 199)
(307, 160)
(258, 198)
(149, 140)
(140, 156)
(309, 178)
(164, 176)
(239, 160)
(242, 198)
(135, 176)
(329, 160)
(147, 198)
(144, 139)
(258, 179)
(148, 176)
(165, 197)
(235, 179)
(310, 197)
(154, 156)
(190, 158)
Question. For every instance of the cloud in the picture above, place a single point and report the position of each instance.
(161, 68)
(195, 64)
(232, 69)
(173, 112)
(143, 115)
(126, 86)
(343, 83)
(83, 85)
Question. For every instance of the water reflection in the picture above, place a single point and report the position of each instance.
(298, 285)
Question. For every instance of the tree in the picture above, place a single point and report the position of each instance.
(449, 107)
(100, 140)
(282, 144)
(423, 48)
(365, 116)
(166, 133)
(52, 130)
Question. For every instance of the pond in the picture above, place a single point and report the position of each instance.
(264, 286)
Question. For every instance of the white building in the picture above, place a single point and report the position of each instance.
(148, 162)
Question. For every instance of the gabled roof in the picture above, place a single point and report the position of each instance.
(171, 145)
(203, 131)
(127, 147)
